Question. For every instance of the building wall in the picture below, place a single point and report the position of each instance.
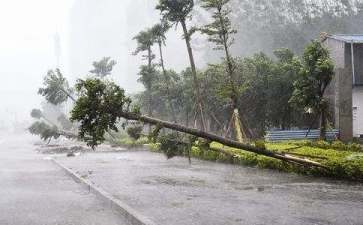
(358, 62)
(358, 91)
(358, 111)
(340, 91)
(337, 50)
(346, 98)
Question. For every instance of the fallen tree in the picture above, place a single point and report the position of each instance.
(219, 139)
(47, 132)
(101, 104)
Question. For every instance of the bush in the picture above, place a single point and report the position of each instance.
(342, 160)
(134, 132)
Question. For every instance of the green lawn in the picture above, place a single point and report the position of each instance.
(342, 161)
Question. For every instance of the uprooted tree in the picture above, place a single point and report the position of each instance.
(56, 91)
(102, 104)
(47, 132)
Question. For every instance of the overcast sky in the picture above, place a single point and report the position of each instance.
(88, 31)
(27, 29)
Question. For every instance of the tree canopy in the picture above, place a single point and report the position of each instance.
(97, 109)
(175, 10)
(314, 78)
(56, 89)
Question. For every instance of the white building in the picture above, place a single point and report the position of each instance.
(346, 91)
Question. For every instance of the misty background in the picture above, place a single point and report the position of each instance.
(40, 35)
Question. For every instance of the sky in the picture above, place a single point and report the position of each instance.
(88, 30)
(27, 51)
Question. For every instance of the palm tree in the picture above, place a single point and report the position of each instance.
(145, 40)
(103, 67)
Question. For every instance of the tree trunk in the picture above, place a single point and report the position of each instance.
(198, 96)
(323, 125)
(149, 87)
(168, 84)
(68, 94)
(240, 132)
(216, 138)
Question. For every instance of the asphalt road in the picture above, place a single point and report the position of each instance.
(205, 193)
(34, 191)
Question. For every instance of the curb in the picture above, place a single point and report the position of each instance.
(131, 215)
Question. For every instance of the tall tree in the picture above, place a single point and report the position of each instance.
(103, 67)
(145, 40)
(315, 77)
(179, 11)
(159, 31)
(220, 32)
(280, 88)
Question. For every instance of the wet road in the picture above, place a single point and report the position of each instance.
(205, 193)
(34, 191)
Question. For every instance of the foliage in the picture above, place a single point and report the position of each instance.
(98, 108)
(65, 122)
(175, 144)
(145, 39)
(315, 76)
(135, 131)
(103, 67)
(36, 114)
(220, 29)
(336, 145)
(341, 164)
(268, 25)
(175, 10)
(158, 32)
(148, 75)
(264, 88)
(56, 89)
(280, 88)
(45, 131)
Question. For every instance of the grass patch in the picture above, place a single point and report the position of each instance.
(122, 139)
(342, 161)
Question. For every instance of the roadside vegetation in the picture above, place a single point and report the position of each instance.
(343, 162)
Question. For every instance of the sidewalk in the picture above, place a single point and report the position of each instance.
(34, 191)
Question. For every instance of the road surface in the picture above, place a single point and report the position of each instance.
(206, 193)
(34, 191)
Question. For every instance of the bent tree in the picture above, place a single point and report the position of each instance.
(56, 88)
(177, 11)
(314, 79)
(220, 33)
(102, 104)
